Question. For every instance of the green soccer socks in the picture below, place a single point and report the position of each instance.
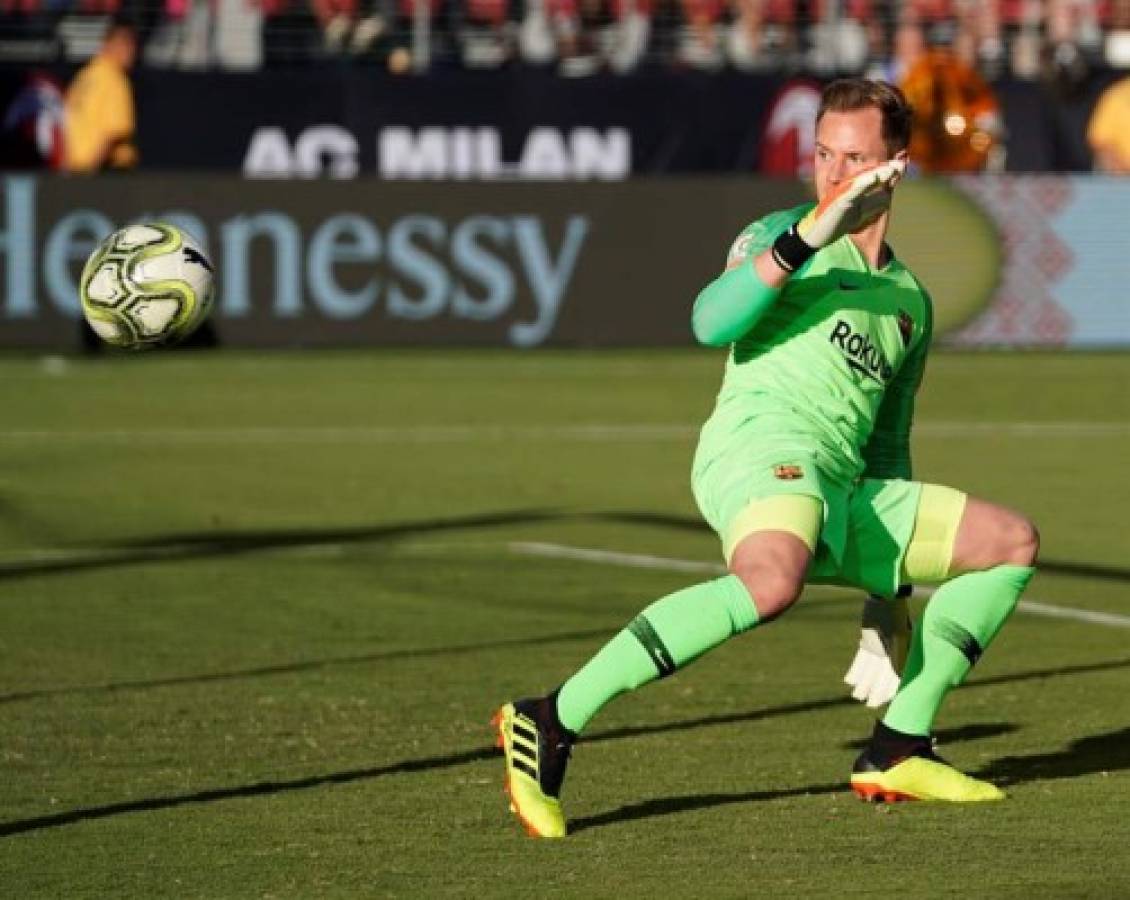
(666, 636)
(960, 621)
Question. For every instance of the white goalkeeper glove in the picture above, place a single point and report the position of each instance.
(849, 207)
(852, 205)
(884, 642)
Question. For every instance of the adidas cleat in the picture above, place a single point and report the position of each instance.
(920, 776)
(537, 751)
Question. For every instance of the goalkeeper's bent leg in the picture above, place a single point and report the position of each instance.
(536, 734)
(960, 621)
(996, 549)
(768, 546)
(666, 636)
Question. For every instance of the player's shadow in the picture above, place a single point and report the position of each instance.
(263, 788)
(667, 806)
(1092, 755)
(1102, 753)
(214, 544)
(1088, 756)
(307, 665)
(966, 733)
(1107, 753)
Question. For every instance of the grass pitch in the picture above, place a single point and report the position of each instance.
(256, 611)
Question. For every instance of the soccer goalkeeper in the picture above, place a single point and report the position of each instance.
(803, 469)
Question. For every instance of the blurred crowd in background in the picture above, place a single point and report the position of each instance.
(945, 54)
(996, 37)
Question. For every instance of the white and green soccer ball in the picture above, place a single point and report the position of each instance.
(146, 285)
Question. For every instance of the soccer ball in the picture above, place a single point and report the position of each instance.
(146, 285)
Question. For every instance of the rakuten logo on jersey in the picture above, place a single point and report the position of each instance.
(860, 353)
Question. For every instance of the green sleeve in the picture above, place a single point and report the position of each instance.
(887, 454)
(732, 303)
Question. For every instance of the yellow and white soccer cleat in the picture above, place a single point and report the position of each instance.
(922, 776)
(537, 751)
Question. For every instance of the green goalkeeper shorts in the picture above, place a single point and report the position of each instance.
(874, 534)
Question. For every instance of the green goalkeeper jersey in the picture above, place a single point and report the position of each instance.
(832, 367)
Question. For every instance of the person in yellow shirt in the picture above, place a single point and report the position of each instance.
(1109, 130)
(99, 106)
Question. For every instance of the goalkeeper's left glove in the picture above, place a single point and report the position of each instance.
(847, 208)
(884, 642)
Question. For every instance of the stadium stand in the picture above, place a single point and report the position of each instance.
(1021, 38)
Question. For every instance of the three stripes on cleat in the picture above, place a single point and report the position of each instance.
(524, 749)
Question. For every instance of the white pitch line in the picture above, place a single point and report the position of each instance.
(444, 434)
(1035, 608)
(546, 550)
(672, 564)
(410, 434)
(1021, 429)
(611, 557)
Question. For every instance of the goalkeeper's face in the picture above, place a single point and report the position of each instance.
(848, 143)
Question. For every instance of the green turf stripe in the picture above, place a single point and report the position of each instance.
(643, 632)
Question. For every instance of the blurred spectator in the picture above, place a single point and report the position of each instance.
(839, 39)
(1025, 20)
(762, 34)
(291, 34)
(26, 19)
(978, 40)
(1109, 130)
(624, 40)
(417, 29)
(957, 121)
(485, 33)
(1058, 40)
(307, 30)
(197, 34)
(182, 38)
(1075, 23)
(586, 36)
(1073, 37)
(907, 45)
(99, 106)
(744, 43)
(576, 48)
(336, 19)
(31, 135)
(1117, 44)
(821, 36)
(546, 28)
(700, 42)
(237, 40)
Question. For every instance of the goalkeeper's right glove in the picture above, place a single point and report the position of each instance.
(850, 207)
(884, 642)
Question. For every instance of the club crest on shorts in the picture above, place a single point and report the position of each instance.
(788, 472)
(906, 327)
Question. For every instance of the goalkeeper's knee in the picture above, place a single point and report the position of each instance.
(991, 536)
